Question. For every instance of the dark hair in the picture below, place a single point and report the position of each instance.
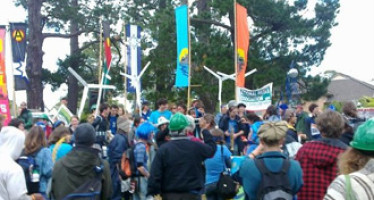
(350, 109)
(182, 106)
(191, 111)
(253, 117)
(241, 105)
(271, 110)
(103, 107)
(64, 98)
(330, 124)
(137, 120)
(312, 107)
(162, 101)
(16, 122)
(114, 106)
(57, 134)
(74, 116)
(209, 118)
(199, 104)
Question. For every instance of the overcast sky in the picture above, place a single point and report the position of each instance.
(351, 52)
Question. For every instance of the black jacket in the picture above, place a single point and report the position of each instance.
(101, 124)
(177, 167)
(224, 123)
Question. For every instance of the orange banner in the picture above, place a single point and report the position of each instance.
(4, 102)
(242, 41)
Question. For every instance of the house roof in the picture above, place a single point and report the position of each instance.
(346, 88)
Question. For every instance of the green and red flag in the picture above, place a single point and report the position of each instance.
(107, 45)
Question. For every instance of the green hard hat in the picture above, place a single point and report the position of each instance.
(178, 122)
(364, 137)
(44, 116)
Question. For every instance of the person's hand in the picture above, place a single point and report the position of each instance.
(37, 196)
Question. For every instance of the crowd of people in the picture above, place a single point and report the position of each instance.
(186, 153)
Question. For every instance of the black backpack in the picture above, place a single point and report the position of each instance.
(91, 189)
(274, 185)
(31, 171)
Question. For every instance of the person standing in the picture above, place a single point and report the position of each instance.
(25, 115)
(232, 128)
(357, 168)
(101, 124)
(59, 143)
(177, 171)
(162, 110)
(272, 136)
(318, 158)
(112, 118)
(74, 121)
(146, 111)
(219, 115)
(78, 166)
(216, 165)
(312, 131)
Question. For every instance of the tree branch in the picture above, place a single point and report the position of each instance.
(59, 35)
(206, 21)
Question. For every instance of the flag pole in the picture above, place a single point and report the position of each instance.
(189, 60)
(235, 52)
(100, 75)
(125, 66)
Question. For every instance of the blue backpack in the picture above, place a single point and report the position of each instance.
(91, 189)
(31, 171)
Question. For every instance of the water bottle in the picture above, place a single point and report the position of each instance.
(35, 177)
(105, 151)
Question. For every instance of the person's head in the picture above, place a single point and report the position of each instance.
(271, 110)
(35, 140)
(330, 124)
(162, 104)
(18, 123)
(23, 105)
(138, 120)
(104, 109)
(85, 135)
(144, 131)
(361, 151)
(191, 112)
(272, 134)
(191, 125)
(114, 110)
(123, 124)
(244, 119)
(12, 141)
(74, 121)
(252, 117)
(173, 108)
(350, 109)
(207, 119)
(182, 109)
(177, 125)
(200, 109)
(217, 135)
(314, 109)
(233, 112)
(145, 106)
(162, 123)
(299, 109)
(57, 134)
(224, 109)
(64, 101)
(241, 107)
(290, 117)
(232, 103)
(121, 111)
(58, 123)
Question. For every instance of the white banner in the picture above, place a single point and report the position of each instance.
(255, 100)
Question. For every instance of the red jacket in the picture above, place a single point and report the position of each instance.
(318, 160)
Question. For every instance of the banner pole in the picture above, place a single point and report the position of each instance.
(125, 69)
(100, 75)
(189, 60)
(235, 52)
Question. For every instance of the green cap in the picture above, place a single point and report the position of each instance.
(178, 122)
(44, 116)
(364, 137)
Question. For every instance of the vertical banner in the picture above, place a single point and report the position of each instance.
(134, 54)
(18, 41)
(4, 102)
(242, 41)
(181, 14)
(107, 45)
(255, 100)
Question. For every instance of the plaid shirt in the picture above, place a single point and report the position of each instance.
(318, 160)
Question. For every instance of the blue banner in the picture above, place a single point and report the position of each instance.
(134, 54)
(181, 14)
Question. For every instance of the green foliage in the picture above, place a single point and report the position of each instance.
(367, 102)
(316, 87)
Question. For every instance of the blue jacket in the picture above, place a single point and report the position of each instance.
(44, 160)
(216, 165)
(116, 148)
(251, 176)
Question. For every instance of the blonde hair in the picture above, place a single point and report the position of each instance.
(35, 140)
(271, 133)
(352, 160)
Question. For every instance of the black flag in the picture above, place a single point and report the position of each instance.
(18, 34)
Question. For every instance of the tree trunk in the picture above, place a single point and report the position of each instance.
(72, 81)
(35, 53)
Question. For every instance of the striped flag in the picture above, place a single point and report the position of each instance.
(181, 15)
(4, 102)
(134, 54)
(242, 41)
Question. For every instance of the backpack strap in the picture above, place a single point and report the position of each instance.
(56, 148)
